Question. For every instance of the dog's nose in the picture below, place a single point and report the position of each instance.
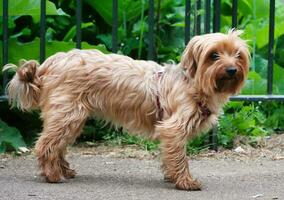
(231, 71)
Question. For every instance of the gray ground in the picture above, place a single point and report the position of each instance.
(105, 177)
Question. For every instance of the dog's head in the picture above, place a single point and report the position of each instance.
(216, 62)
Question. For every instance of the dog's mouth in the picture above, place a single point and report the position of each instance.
(227, 84)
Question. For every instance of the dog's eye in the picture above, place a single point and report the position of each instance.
(238, 55)
(214, 56)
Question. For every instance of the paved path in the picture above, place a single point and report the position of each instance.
(101, 177)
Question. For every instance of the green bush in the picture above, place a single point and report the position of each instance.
(250, 119)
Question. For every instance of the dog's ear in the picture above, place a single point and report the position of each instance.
(235, 32)
(187, 61)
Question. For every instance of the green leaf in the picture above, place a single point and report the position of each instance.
(258, 131)
(11, 137)
(72, 32)
(30, 7)
(3, 148)
(235, 105)
(244, 125)
(255, 84)
(31, 50)
(11, 23)
(137, 27)
(278, 78)
(127, 9)
(106, 39)
(256, 27)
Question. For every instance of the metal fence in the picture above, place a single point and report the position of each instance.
(210, 25)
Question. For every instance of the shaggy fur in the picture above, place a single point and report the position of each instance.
(69, 87)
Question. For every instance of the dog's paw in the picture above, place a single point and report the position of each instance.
(69, 173)
(188, 184)
(54, 178)
(168, 180)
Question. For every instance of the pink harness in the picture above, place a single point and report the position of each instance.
(160, 112)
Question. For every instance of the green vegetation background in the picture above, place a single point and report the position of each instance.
(239, 118)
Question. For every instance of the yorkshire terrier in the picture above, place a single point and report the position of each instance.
(172, 103)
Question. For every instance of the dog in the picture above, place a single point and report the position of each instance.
(171, 103)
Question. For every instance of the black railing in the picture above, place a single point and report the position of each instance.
(187, 22)
(209, 26)
(78, 23)
(42, 30)
(5, 39)
(114, 25)
(151, 19)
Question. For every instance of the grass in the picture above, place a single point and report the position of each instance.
(109, 135)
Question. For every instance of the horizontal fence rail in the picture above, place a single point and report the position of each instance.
(213, 25)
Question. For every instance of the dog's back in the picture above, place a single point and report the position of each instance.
(113, 87)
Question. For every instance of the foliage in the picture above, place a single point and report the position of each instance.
(128, 9)
(10, 138)
(239, 118)
(52, 47)
(30, 7)
(274, 115)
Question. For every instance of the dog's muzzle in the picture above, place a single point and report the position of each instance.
(231, 71)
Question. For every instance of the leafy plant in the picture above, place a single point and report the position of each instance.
(31, 8)
(30, 50)
(239, 118)
(10, 138)
(128, 10)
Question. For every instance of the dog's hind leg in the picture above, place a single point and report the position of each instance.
(62, 125)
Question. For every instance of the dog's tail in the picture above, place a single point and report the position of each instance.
(23, 90)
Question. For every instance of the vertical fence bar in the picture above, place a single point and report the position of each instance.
(42, 30)
(187, 21)
(197, 24)
(217, 16)
(213, 139)
(114, 25)
(235, 14)
(270, 47)
(207, 16)
(5, 41)
(151, 19)
(78, 23)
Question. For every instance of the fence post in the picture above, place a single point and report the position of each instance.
(78, 23)
(235, 14)
(187, 21)
(114, 25)
(197, 18)
(151, 19)
(217, 15)
(270, 47)
(213, 139)
(5, 42)
(42, 29)
(207, 16)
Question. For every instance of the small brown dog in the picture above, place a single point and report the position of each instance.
(171, 103)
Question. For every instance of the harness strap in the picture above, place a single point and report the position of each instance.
(160, 112)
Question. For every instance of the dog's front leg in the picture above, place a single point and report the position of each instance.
(175, 163)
